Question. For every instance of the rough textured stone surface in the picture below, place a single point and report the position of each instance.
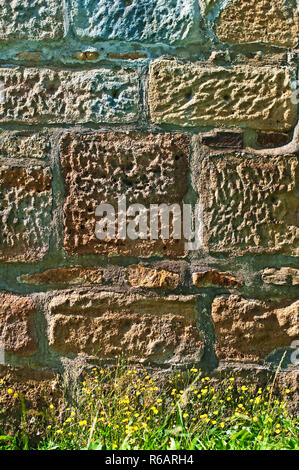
(64, 276)
(281, 277)
(25, 212)
(215, 278)
(17, 329)
(152, 21)
(31, 19)
(249, 330)
(106, 325)
(140, 276)
(100, 167)
(250, 203)
(194, 95)
(39, 389)
(50, 96)
(24, 144)
(259, 21)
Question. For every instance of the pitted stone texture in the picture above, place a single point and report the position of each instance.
(263, 21)
(24, 145)
(39, 96)
(281, 277)
(141, 276)
(194, 95)
(215, 278)
(25, 212)
(31, 19)
(17, 329)
(249, 330)
(151, 21)
(106, 325)
(76, 275)
(98, 168)
(250, 204)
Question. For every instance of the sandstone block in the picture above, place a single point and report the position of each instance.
(250, 204)
(215, 278)
(24, 145)
(17, 329)
(281, 277)
(249, 330)
(140, 276)
(106, 325)
(151, 21)
(31, 19)
(25, 212)
(247, 21)
(38, 96)
(98, 168)
(76, 275)
(194, 95)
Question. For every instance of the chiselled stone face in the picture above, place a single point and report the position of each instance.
(98, 168)
(247, 21)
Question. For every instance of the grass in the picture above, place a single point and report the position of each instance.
(126, 408)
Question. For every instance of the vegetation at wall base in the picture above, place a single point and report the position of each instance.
(127, 408)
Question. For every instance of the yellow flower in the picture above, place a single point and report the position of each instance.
(10, 391)
(73, 413)
(194, 370)
(231, 379)
(159, 400)
(83, 423)
(270, 420)
(260, 437)
(288, 391)
(255, 419)
(243, 388)
(222, 425)
(51, 407)
(185, 415)
(15, 395)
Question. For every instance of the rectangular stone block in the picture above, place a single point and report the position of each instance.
(31, 19)
(31, 95)
(250, 204)
(108, 325)
(265, 21)
(194, 95)
(151, 21)
(61, 277)
(24, 144)
(249, 330)
(25, 211)
(17, 328)
(98, 168)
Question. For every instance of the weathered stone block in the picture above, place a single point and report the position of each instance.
(250, 203)
(17, 328)
(249, 330)
(24, 145)
(107, 325)
(51, 96)
(98, 168)
(140, 276)
(151, 21)
(31, 19)
(194, 95)
(25, 212)
(263, 21)
(281, 277)
(64, 276)
(215, 278)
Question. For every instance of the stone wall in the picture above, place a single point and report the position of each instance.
(164, 102)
